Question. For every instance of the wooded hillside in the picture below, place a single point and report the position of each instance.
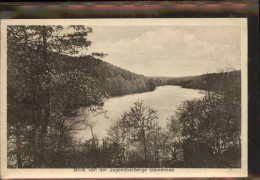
(113, 80)
(211, 81)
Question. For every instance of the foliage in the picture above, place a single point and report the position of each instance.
(211, 81)
(42, 97)
(210, 127)
(137, 133)
(113, 80)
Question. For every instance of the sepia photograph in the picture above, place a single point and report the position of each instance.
(140, 95)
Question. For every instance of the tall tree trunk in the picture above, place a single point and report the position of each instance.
(18, 146)
(46, 103)
(145, 149)
(93, 138)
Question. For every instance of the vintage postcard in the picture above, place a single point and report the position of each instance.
(124, 98)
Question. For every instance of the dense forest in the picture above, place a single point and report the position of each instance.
(211, 81)
(47, 85)
(112, 80)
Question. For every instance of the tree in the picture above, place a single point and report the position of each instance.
(99, 55)
(40, 94)
(210, 127)
(137, 132)
(142, 120)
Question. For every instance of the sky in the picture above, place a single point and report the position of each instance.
(172, 51)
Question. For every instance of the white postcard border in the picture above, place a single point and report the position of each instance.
(177, 172)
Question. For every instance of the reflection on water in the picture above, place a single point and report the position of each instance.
(164, 99)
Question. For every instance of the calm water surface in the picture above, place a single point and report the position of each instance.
(164, 99)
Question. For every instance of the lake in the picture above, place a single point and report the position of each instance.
(164, 99)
